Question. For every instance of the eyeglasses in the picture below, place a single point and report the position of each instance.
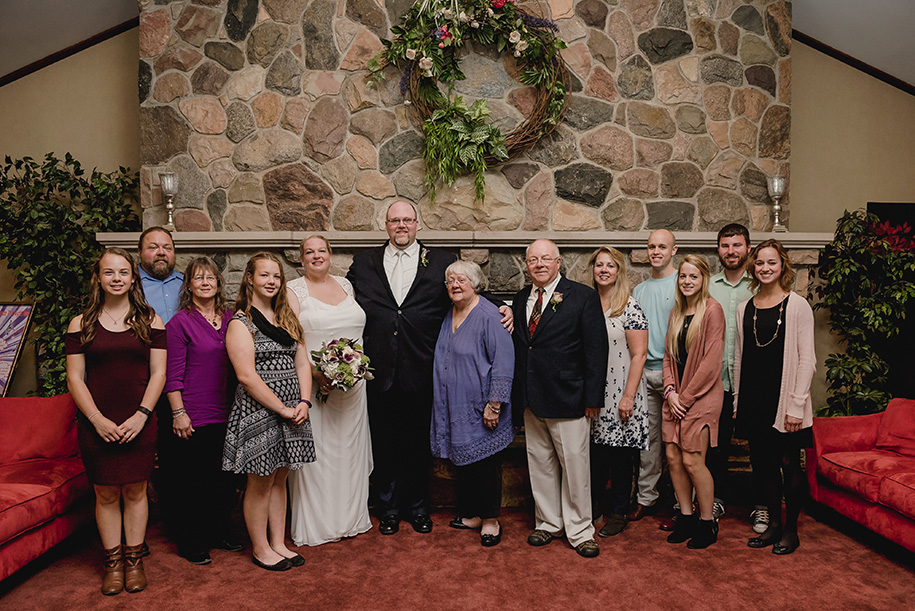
(536, 260)
(455, 280)
(202, 278)
(398, 221)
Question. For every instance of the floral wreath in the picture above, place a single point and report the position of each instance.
(458, 139)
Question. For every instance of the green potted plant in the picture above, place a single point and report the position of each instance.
(867, 281)
(50, 212)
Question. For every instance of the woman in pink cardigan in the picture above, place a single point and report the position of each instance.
(774, 361)
(693, 394)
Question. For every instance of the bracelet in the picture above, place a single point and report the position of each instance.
(495, 410)
(669, 390)
(93, 416)
(144, 411)
(305, 401)
(178, 412)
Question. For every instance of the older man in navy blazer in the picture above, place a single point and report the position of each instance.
(560, 373)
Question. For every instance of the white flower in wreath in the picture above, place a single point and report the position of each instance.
(447, 14)
(475, 25)
(411, 54)
(463, 17)
(514, 37)
(521, 46)
(426, 64)
(490, 12)
(517, 53)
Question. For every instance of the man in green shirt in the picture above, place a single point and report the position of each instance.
(729, 287)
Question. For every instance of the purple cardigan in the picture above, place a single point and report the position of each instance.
(472, 366)
(198, 366)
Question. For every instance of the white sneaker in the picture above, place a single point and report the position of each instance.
(717, 509)
(760, 518)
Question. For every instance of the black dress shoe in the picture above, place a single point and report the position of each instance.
(228, 545)
(198, 557)
(422, 523)
(458, 523)
(296, 560)
(282, 565)
(491, 540)
(769, 537)
(389, 525)
(788, 547)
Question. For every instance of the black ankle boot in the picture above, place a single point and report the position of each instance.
(684, 528)
(706, 534)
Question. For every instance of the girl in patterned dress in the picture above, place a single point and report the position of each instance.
(621, 429)
(268, 430)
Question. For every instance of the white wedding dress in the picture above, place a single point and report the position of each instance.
(329, 497)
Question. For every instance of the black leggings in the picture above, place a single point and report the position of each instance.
(479, 488)
(775, 456)
(620, 465)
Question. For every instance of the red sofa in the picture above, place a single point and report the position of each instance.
(864, 468)
(44, 493)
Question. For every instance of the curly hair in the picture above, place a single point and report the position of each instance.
(786, 280)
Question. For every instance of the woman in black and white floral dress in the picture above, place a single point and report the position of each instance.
(621, 429)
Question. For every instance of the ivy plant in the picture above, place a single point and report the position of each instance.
(867, 276)
(50, 212)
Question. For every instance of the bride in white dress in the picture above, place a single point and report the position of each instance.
(329, 497)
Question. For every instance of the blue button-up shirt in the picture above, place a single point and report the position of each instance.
(729, 296)
(162, 295)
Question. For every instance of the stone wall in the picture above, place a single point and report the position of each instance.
(679, 109)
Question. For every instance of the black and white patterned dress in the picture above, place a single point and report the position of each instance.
(607, 428)
(258, 440)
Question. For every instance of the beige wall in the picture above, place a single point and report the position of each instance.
(852, 141)
(86, 105)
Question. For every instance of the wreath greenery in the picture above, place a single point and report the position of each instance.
(458, 138)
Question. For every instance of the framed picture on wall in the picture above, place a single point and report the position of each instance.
(14, 328)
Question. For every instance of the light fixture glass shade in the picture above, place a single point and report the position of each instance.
(776, 186)
(169, 183)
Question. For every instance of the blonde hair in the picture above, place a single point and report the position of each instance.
(314, 236)
(678, 314)
(621, 289)
(282, 311)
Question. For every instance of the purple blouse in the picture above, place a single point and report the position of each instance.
(198, 366)
(473, 365)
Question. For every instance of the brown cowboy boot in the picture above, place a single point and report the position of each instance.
(113, 581)
(134, 576)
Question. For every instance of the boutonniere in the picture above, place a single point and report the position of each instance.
(424, 257)
(555, 300)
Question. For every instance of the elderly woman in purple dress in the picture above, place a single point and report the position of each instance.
(471, 419)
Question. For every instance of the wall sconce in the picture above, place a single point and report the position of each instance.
(169, 183)
(776, 185)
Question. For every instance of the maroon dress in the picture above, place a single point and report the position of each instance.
(117, 373)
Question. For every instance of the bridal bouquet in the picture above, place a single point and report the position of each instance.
(343, 362)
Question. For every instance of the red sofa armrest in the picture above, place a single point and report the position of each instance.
(845, 433)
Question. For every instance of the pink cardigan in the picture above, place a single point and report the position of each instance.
(701, 386)
(798, 367)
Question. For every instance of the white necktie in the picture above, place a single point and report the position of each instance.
(397, 277)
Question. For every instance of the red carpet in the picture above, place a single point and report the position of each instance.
(448, 569)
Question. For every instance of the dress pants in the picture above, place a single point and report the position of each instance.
(620, 464)
(650, 460)
(400, 422)
(717, 458)
(559, 460)
(479, 488)
(205, 495)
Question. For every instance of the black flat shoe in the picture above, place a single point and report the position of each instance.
(389, 525)
(296, 560)
(764, 540)
(491, 540)
(198, 557)
(458, 523)
(422, 523)
(228, 545)
(783, 549)
(282, 565)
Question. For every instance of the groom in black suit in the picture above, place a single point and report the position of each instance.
(560, 373)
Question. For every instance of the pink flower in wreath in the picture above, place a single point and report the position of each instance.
(498, 3)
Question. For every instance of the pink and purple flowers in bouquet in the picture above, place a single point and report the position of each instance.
(343, 362)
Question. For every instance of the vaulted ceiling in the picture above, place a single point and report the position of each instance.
(876, 32)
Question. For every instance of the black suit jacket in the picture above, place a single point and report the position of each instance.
(562, 369)
(400, 340)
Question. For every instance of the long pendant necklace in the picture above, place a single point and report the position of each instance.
(778, 324)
